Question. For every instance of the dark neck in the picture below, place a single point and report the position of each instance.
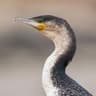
(66, 56)
(58, 70)
(65, 49)
(55, 65)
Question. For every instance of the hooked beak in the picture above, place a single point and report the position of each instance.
(33, 23)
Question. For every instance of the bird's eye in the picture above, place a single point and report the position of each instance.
(41, 20)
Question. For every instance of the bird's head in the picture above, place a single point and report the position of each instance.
(48, 25)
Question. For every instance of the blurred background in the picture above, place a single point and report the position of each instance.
(23, 50)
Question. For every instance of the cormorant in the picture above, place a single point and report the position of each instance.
(54, 78)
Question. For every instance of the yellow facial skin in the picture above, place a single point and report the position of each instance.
(41, 26)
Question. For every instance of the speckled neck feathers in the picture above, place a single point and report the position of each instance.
(54, 78)
(65, 46)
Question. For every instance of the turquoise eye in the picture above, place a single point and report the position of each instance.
(41, 20)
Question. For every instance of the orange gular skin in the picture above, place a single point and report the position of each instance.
(41, 26)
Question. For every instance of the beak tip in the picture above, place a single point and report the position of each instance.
(15, 19)
(18, 19)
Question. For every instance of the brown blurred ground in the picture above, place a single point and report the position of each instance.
(23, 50)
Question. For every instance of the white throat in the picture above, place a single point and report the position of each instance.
(62, 43)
